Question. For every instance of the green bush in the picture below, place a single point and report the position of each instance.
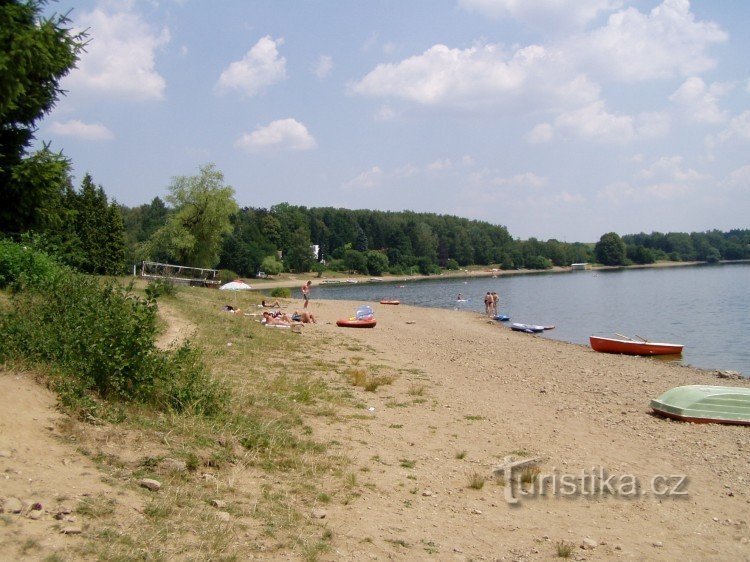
(22, 265)
(98, 339)
(281, 292)
(160, 287)
(227, 276)
(452, 265)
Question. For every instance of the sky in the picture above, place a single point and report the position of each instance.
(558, 119)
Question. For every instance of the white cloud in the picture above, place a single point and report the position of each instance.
(666, 178)
(385, 113)
(262, 66)
(652, 125)
(740, 177)
(366, 180)
(635, 47)
(541, 133)
(671, 168)
(555, 13)
(406, 171)
(285, 134)
(740, 125)
(594, 122)
(80, 130)
(440, 165)
(120, 58)
(323, 66)
(527, 179)
(478, 76)
(698, 102)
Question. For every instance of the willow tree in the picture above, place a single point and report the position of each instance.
(202, 208)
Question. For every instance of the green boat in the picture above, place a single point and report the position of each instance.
(699, 403)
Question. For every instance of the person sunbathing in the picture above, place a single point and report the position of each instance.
(274, 304)
(304, 317)
(279, 320)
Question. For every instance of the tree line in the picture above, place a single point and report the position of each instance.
(200, 225)
(711, 246)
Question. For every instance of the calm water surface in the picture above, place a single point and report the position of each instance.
(706, 308)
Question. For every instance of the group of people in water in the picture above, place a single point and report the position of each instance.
(491, 300)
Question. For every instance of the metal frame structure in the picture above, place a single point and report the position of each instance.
(196, 276)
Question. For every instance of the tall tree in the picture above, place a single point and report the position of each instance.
(203, 205)
(610, 250)
(35, 53)
(100, 230)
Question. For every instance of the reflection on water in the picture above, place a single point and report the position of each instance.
(705, 308)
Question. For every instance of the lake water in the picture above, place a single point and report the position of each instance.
(706, 308)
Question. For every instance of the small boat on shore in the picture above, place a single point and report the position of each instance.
(501, 318)
(529, 328)
(705, 404)
(390, 301)
(628, 346)
(354, 323)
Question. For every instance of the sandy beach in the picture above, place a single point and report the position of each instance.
(490, 393)
(467, 394)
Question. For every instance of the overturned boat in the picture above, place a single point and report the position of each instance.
(705, 404)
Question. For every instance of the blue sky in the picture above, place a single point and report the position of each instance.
(558, 118)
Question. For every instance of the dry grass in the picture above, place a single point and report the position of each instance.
(361, 378)
(476, 481)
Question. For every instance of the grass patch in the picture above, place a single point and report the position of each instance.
(417, 389)
(360, 377)
(476, 481)
(564, 549)
(529, 474)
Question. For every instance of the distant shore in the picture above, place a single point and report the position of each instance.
(292, 280)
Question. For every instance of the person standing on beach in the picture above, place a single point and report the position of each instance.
(495, 301)
(488, 304)
(306, 293)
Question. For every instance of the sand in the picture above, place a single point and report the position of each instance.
(467, 393)
(491, 392)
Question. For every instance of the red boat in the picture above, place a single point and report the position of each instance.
(632, 347)
(354, 323)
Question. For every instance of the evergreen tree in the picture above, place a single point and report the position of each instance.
(100, 230)
(35, 53)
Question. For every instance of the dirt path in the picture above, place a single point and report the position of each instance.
(177, 327)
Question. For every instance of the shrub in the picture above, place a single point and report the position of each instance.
(281, 292)
(227, 275)
(22, 265)
(99, 339)
(160, 287)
